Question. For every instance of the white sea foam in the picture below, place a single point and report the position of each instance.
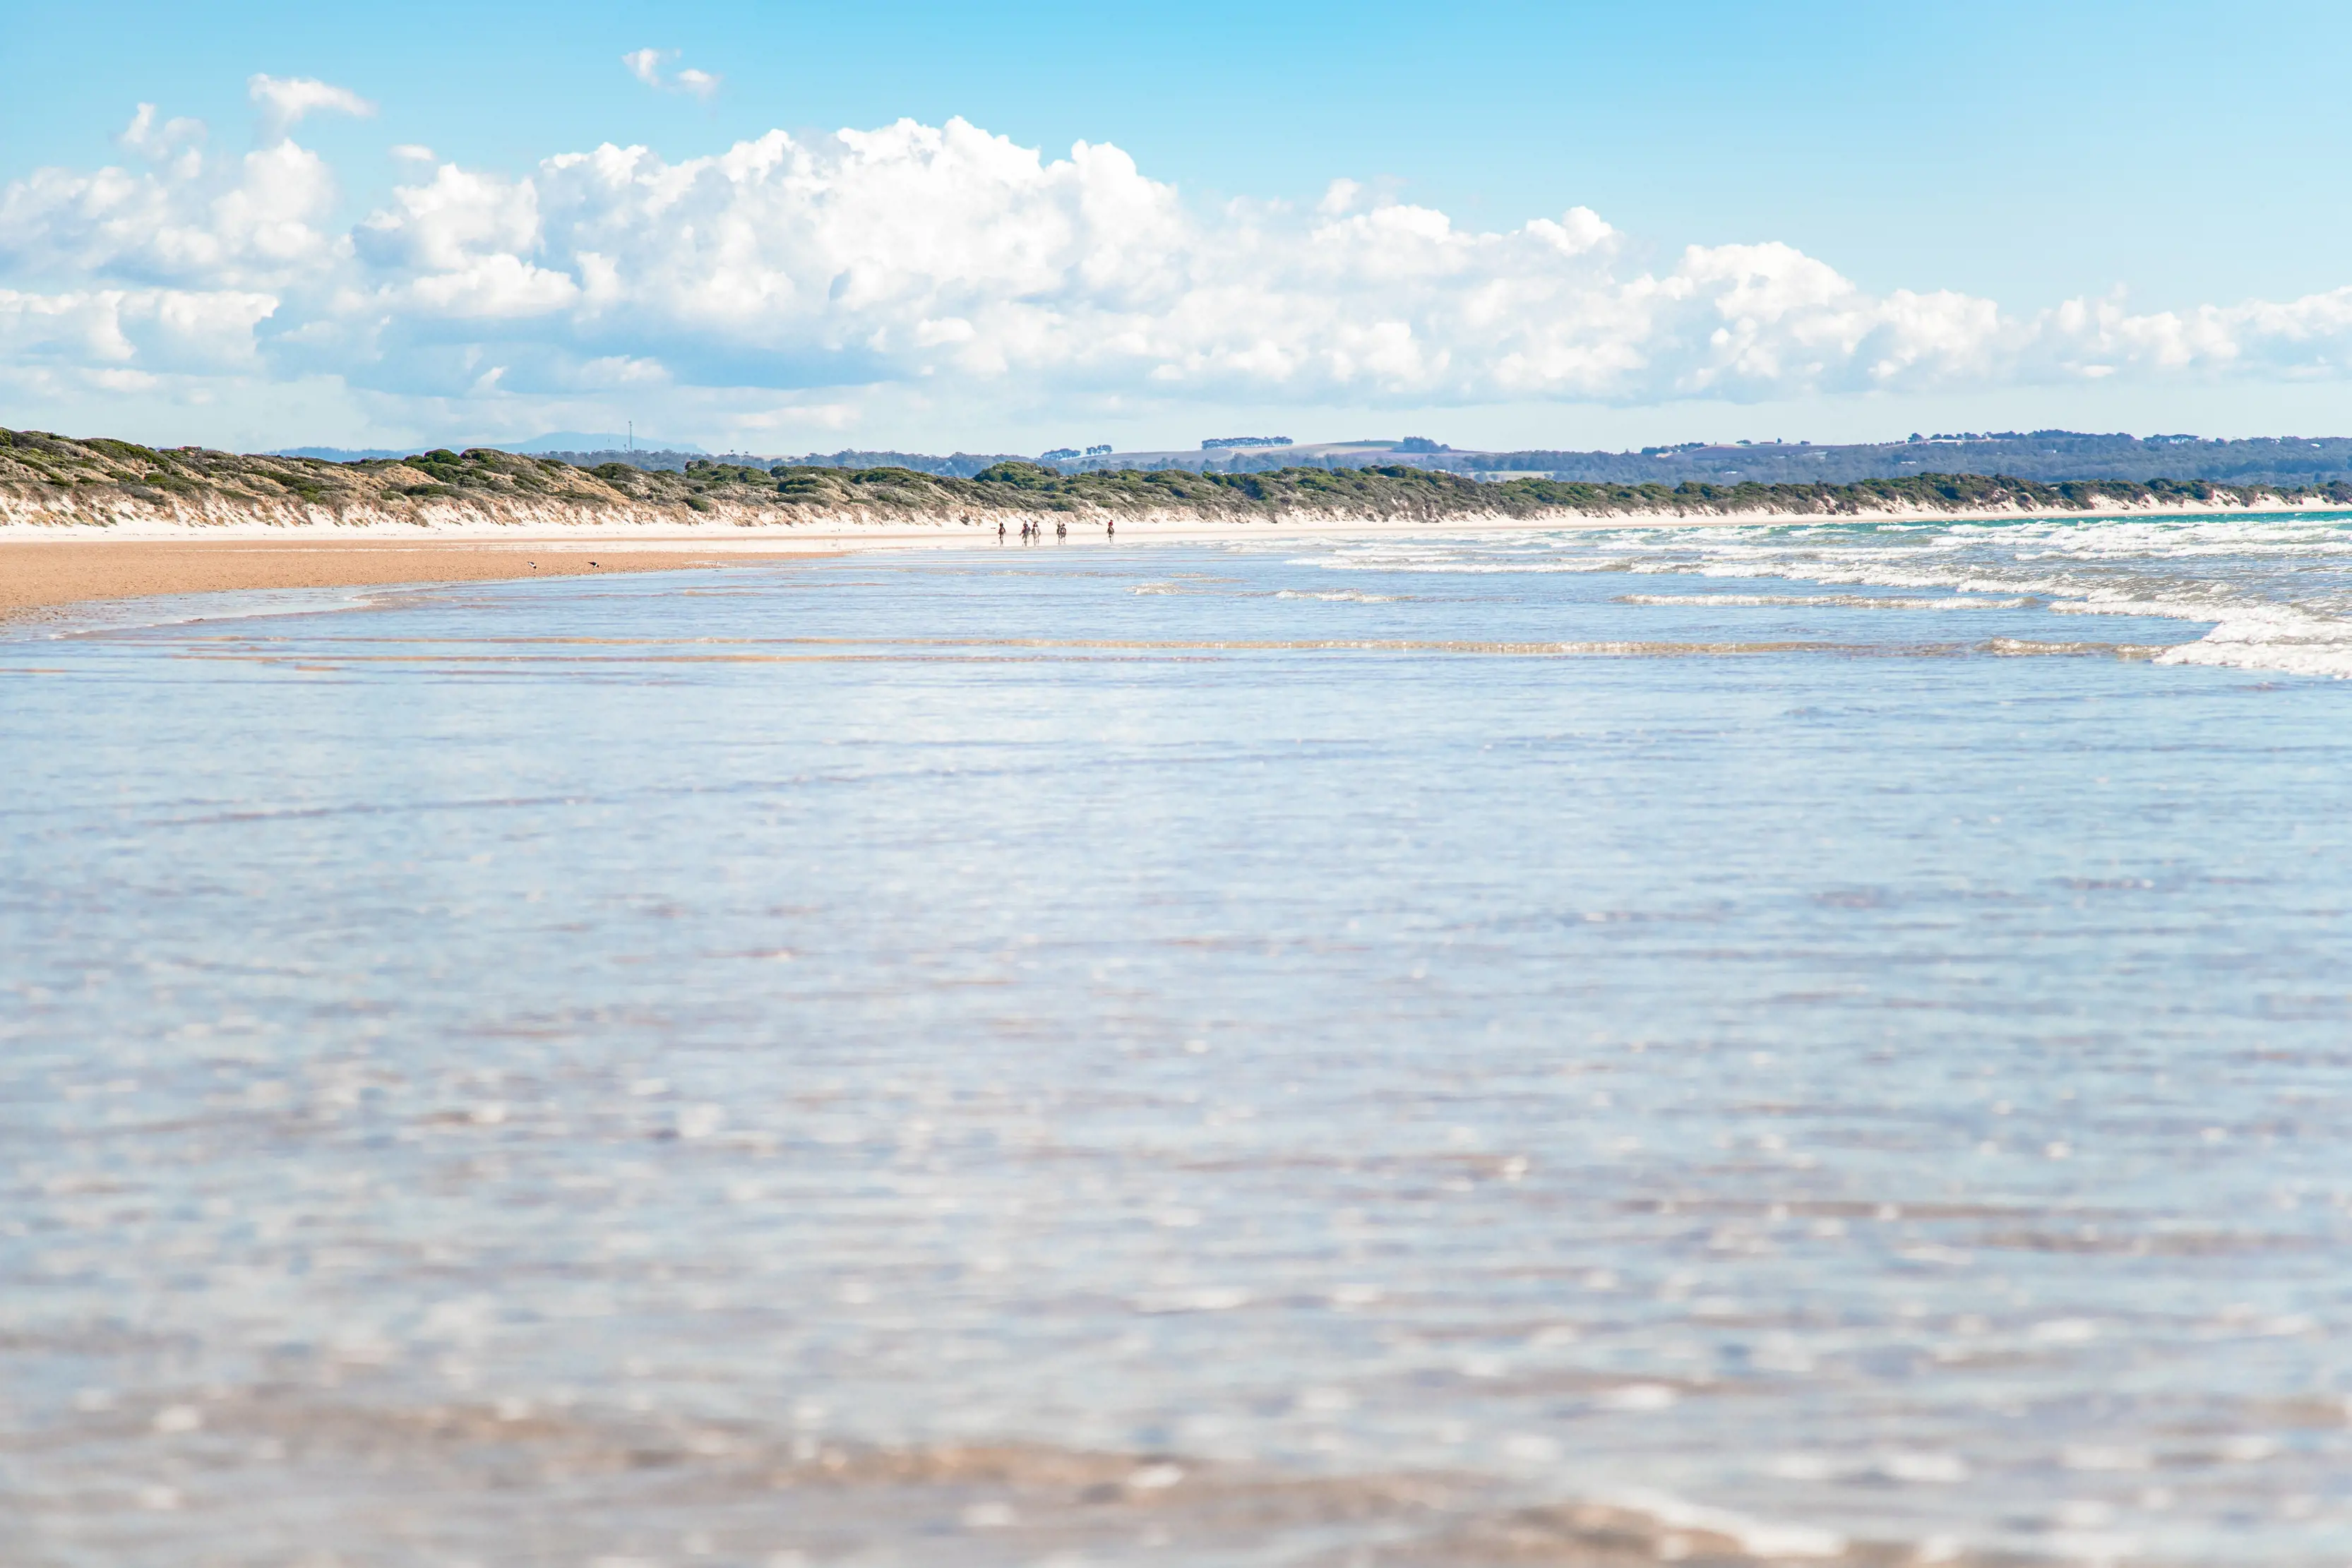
(117, 615)
(2275, 591)
(1830, 601)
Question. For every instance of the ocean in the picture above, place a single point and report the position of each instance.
(1816, 1043)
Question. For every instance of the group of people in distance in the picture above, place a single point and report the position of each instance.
(1032, 532)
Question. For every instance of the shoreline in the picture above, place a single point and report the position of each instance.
(47, 569)
(43, 579)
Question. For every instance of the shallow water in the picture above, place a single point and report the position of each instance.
(1590, 1048)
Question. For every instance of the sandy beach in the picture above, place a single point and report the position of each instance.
(42, 573)
(41, 577)
(45, 569)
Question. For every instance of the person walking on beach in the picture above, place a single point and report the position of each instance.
(1110, 527)
(1060, 532)
(999, 530)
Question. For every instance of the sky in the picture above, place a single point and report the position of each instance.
(784, 227)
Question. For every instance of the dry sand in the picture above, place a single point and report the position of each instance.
(39, 576)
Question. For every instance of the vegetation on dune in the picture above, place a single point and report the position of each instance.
(36, 466)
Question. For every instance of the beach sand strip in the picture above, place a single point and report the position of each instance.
(41, 577)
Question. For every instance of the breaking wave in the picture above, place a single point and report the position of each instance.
(2275, 591)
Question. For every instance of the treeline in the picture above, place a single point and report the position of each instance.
(958, 465)
(658, 458)
(2051, 456)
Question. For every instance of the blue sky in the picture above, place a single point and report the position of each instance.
(1937, 185)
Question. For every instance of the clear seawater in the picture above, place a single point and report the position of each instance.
(1815, 1043)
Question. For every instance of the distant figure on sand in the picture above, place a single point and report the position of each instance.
(1000, 531)
(1061, 531)
(1110, 529)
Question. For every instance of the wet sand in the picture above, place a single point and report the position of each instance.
(43, 576)
(1024, 1054)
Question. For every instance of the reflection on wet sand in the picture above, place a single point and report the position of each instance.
(928, 1062)
(529, 1483)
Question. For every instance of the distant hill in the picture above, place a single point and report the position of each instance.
(2046, 456)
(2049, 457)
(1213, 458)
(598, 440)
(2042, 456)
(958, 465)
(664, 460)
(603, 446)
(341, 454)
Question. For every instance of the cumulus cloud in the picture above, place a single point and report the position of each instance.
(457, 246)
(179, 142)
(948, 258)
(110, 330)
(646, 64)
(258, 221)
(284, 101)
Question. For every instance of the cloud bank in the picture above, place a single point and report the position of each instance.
(952, 260)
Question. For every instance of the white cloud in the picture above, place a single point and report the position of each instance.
(284, 101)
(258, 221)
(111, 329)
(947, 259)
(177, 142)
(646, 64)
